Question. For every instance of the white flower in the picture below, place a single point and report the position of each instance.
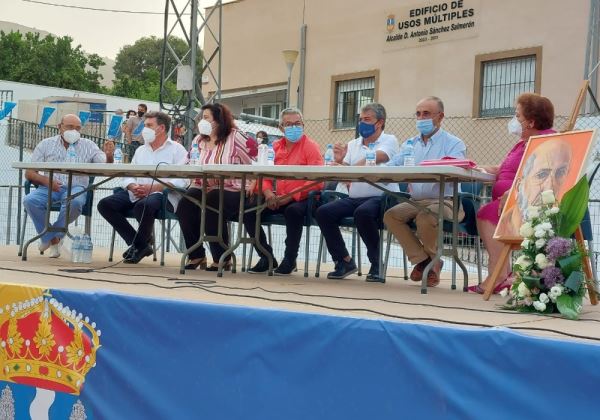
(523, 262)
(546, 226)
(551, 233)
(525, 243)
(523, 290)
(548, 197)
(543, 298)
(542, 261)
(526, 230)
(504, 292)
(533, 211)
(540, 243)
(552, 210)
(556, 290)
(539, 306)
(539, 233)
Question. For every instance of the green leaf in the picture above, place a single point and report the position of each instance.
(574, 281)
(569, 306)
(532, 282)
(569, 264)
(572, 208)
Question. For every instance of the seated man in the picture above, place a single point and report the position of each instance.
(54, 149)
(363, 200)
(295, 148)
(432, 143)
(144, 195)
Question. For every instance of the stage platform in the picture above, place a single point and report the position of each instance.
(254, 346)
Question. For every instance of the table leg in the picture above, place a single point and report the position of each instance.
(48, 211)
(455, 258)
(239, 230)
(440, 241)
(256, 240)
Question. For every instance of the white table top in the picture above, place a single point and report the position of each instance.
(334, 173)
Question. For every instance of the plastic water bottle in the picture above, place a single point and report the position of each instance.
(87, 249)
(329, 155)
(409, 153)
(76, 249)
(118, 155)
(371, 156)
(271, 156)
(195, 154)
(71, 154)
(263, 151)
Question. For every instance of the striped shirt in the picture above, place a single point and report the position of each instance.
(232, 151)
(53, 149)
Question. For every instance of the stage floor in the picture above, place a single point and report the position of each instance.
(397, 300)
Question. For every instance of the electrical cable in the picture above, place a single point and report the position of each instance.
(96, 9)
(198, 284)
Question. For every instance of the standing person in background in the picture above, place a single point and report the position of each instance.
(132, 124)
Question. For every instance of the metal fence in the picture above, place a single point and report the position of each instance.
(487, 142)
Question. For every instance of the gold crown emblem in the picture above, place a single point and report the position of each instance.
(46, 345)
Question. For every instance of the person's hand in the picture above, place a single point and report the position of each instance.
(502, 202)
(272, 202)
(285, 200)
(56, 184)
(339, 151)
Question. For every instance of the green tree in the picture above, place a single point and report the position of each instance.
(48, 61)
(138, 69)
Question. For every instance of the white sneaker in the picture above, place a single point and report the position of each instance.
(54, 251)
(43, 246)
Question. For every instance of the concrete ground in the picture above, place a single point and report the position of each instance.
(398, 300)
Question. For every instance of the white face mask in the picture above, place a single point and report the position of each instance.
(204, 127)
(514, 127)
(71, 136)
(148, 134)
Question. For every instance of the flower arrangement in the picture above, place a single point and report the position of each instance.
(549, 272)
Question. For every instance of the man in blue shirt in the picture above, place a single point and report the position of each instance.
(432, 143)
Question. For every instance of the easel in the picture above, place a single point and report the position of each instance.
(510, 246)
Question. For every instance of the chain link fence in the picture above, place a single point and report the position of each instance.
(487, 142)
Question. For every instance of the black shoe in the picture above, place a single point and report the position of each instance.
(343, 269)
(129, 251)
(262, 266)
(373, 276)
(286, 267)
(137, 255)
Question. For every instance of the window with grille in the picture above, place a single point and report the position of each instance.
(250, 111)
(350, 97)
(270, 110)
(503, 77)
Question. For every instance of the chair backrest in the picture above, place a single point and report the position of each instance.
(471, 187)
(89, 200)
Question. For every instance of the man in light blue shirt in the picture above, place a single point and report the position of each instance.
(432, 143)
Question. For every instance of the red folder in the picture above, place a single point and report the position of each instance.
(447, 160)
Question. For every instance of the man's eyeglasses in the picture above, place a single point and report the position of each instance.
(293, 124)
(425, 114)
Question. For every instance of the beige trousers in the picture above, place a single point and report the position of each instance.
(418, 247)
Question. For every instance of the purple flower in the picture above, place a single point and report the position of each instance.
(558, 247)
(552, 276)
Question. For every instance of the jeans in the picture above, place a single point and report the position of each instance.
(36, 203)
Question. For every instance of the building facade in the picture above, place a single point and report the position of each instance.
(477, 55)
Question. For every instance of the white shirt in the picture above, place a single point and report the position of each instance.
(387, 143)
(170, 153)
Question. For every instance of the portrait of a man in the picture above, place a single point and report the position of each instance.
(554, 162)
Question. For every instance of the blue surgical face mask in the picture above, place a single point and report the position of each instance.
(365, 129)
(425, 127)
(293, 133)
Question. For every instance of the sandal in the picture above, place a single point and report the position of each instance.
(199, 264)
(504, 284)
(215, 266)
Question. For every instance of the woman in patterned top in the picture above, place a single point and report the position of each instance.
(219, 142)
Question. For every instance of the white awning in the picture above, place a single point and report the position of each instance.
(252, 91)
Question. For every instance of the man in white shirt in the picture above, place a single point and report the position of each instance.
(54, 149)
(364, 200)
(432, 142)
(144, 195)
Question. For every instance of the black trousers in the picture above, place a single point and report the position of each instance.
(188, 214)
(294, 213)
(367, 215)
(114, 209)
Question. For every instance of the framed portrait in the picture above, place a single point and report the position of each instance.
(550, 162)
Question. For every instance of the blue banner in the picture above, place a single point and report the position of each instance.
(139, 128)
(84, 116)
(46, 113)
(110, 356)
(8, 107)
(115, 126)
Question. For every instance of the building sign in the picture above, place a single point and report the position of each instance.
(430, 23)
